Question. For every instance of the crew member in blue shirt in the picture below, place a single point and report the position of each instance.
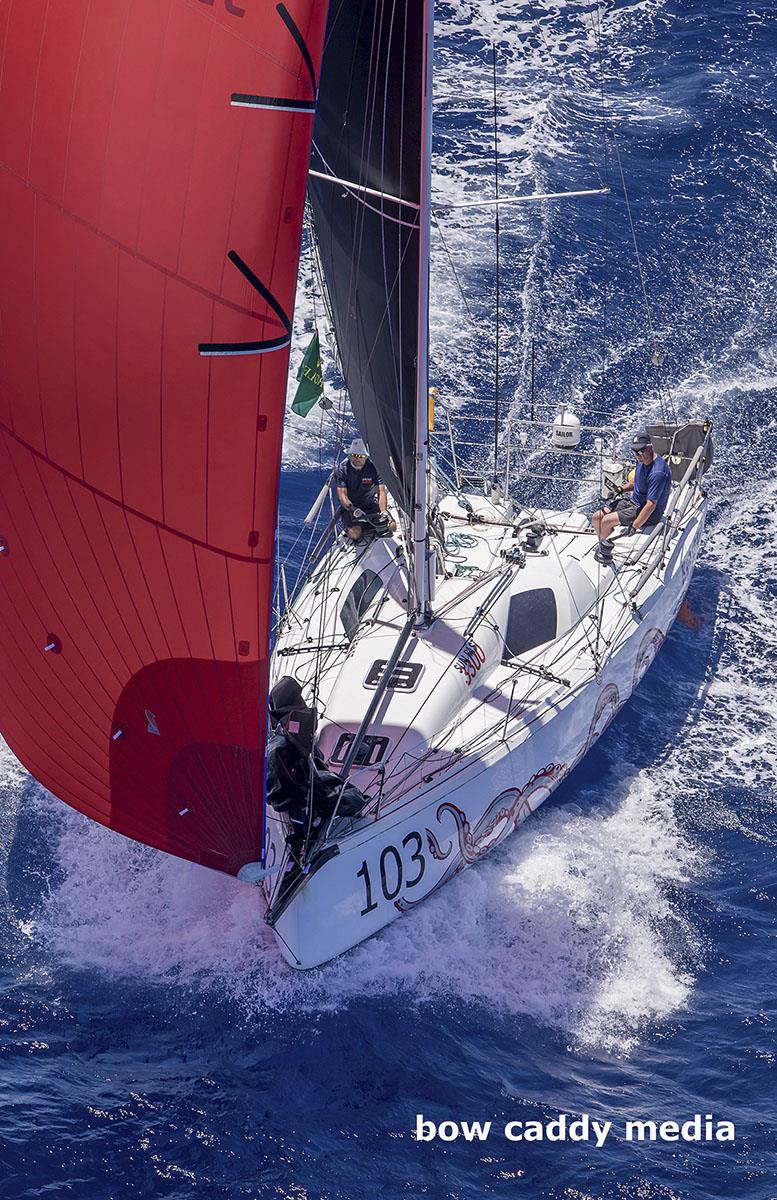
(361, 494)
(645, 506)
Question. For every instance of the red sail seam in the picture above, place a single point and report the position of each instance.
(149, 262)
(31, 662)
(260, 51)
(205, 773)
(108, 713)
(31, 665)
(42, 620)
(64, 541)
(195, 132)
(262, 365)
(35, 325)
(52, 719)
(177, 694)
(178, 533)
(246, 740)
(174, 695)
(214, 656)
(96, 781)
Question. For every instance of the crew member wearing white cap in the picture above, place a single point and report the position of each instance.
(361, 494)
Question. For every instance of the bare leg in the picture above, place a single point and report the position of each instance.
(607, 523)
(604, 522)
(354, 532)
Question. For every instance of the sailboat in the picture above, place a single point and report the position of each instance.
(154, 164)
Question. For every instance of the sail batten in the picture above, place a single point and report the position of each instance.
(139, 476)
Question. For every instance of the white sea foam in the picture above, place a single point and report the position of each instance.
(571, 923)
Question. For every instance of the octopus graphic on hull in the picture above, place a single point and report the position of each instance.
(503, 815)
(651, 643)
(606, 707)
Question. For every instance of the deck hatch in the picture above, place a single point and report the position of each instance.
(371, 752)
(404, 677)
(532, 620)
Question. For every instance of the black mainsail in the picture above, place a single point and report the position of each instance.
(368, 137)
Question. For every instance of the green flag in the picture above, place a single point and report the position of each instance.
(311, 381)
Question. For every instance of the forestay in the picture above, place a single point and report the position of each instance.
(153, 163)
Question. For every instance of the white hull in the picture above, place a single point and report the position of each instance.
(508, 751)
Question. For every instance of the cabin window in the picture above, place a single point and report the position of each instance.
(531, 621)
(358, 601)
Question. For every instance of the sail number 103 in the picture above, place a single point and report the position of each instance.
(398, 868)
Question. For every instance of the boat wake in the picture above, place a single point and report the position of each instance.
(572, 923)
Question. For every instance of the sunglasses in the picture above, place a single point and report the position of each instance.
(643, 450)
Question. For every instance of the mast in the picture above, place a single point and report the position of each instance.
(421, 588)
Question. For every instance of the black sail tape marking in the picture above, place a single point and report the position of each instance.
(216, 349)
(212, 349)
(258, 286)
(246, 100)
(277, 103)
(288, 21)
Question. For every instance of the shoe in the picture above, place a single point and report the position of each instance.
(603, 552)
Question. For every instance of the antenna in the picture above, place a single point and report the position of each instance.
(495, 486)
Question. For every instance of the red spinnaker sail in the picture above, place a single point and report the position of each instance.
(153, 163)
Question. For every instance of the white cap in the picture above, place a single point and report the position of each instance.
(357, 446)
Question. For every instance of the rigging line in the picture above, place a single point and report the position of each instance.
(448, 667)
(597, 18)
(453, 270)
(554, 65)
(580, 616)
(331, 338)
(537, 681)
(655, 355)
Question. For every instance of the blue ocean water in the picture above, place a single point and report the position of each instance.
(613, 958)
